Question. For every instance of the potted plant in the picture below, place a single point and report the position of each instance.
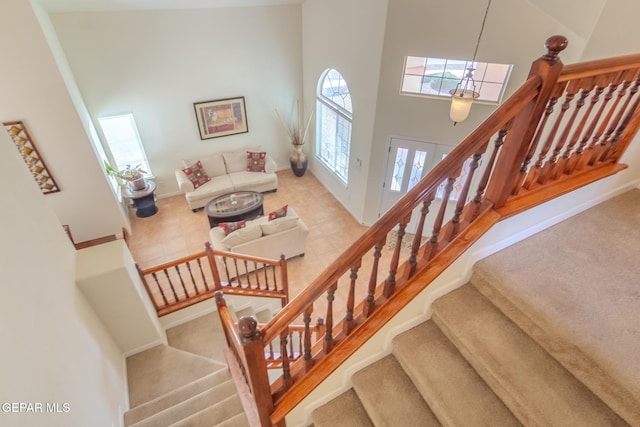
(131, 176)
(297, 133)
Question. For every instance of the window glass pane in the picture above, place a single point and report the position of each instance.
(442, 75)
(417, 168)
(123, 141)
(398, 169)
(333, 142)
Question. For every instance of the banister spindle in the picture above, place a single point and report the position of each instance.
(202, 275)
(184, 287)
(284, 356)
(594, 148)
(308, 361)
(328, 337)
(390, 282)
(462, 198)
(482, 185)
(349, 323)
(430, 247)
(620, 123)
(370, 302)
(583, 151)
(572, 155)
(417, 239)
(175, 294)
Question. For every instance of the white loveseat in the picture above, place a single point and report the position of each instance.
(263, 238)
(227, 173)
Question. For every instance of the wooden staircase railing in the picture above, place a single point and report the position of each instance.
(192, 279)
(527, 152)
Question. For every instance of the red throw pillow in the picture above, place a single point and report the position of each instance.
(196, 174)
(256, 161)
(278, 213)
(229, 227)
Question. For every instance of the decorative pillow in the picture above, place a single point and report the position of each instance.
(278, 213)
(242, 235)
(196, 174)
(256, 161)
(229, 227)
(236, 161)
(279, 224)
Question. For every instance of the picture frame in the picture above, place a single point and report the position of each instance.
(34, 161)
(221, 117)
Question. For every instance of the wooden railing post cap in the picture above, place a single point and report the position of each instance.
(248, 326)
(554, 45)
(219, 298)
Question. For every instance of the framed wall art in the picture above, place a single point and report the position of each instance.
(221, 117)
(32, 158)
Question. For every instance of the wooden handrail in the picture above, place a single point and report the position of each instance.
(526, 153)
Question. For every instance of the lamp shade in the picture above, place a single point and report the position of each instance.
(461, 101)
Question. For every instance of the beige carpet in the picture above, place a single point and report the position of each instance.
(546, 333)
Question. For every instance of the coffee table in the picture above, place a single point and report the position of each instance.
(234, 207)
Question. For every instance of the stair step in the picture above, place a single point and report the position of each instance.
(535, 387)
(264, 315)
(378, 387)
(345, 410)
(217, 414)
(246, 311)
(191, 406)
(199, 336)
(454, 391)
(176, 396)
(239, 420)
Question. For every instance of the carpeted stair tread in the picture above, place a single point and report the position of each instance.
(378, 387)
(535, 387)
(201, 336)
(452, 388)
(239, 420)
(344, 410)
(176, 396)
(264, 315)
(218, 413)
(585, 317)
(213, 396)
(246, 311)
(161, 369)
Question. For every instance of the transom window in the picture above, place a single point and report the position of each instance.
(435, 77)
(333, 123)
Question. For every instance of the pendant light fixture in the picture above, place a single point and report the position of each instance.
(465, 92)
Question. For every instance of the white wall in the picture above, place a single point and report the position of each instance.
(346, 35)
(34, 92)
(54, 348)
(156, 64)
(616, 32)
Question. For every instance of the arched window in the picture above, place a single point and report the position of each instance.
(333, 123)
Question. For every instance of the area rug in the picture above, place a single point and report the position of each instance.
(392, 239)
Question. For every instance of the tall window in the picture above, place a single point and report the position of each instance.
(333, 120)
(123, 141)
(435, 77)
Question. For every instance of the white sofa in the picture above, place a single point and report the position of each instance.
(227, 173)
(263, 238)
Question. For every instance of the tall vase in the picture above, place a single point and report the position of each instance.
(298, 161)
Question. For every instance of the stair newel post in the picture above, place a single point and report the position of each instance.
(308, 361)
(349, 322)
(328, 336)
(370, 302)
(214, 267)
(256, 367)
(547, 68)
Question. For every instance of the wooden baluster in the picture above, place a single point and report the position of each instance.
(593, 151)
(560, 163)
(431, 246)
(615, 124)
(482, 185)
(328, 337)
(609, 123)
(462, 199)
(164, 297)
(547, 167)
(287, 381)
(370, 303)
(193, 280)
(213, 265)
(175, 295)
(148, 288)
(300, 341)
(349, 322)
(616, 150)
(202, 275)
(574, 157)
(184, 287)
(417, 240)
(583, 152)
(390, 282)
(257, 376)
(284, 276)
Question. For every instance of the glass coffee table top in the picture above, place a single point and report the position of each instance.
(234, 206)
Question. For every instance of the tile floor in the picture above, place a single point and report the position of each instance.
(175, 231)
